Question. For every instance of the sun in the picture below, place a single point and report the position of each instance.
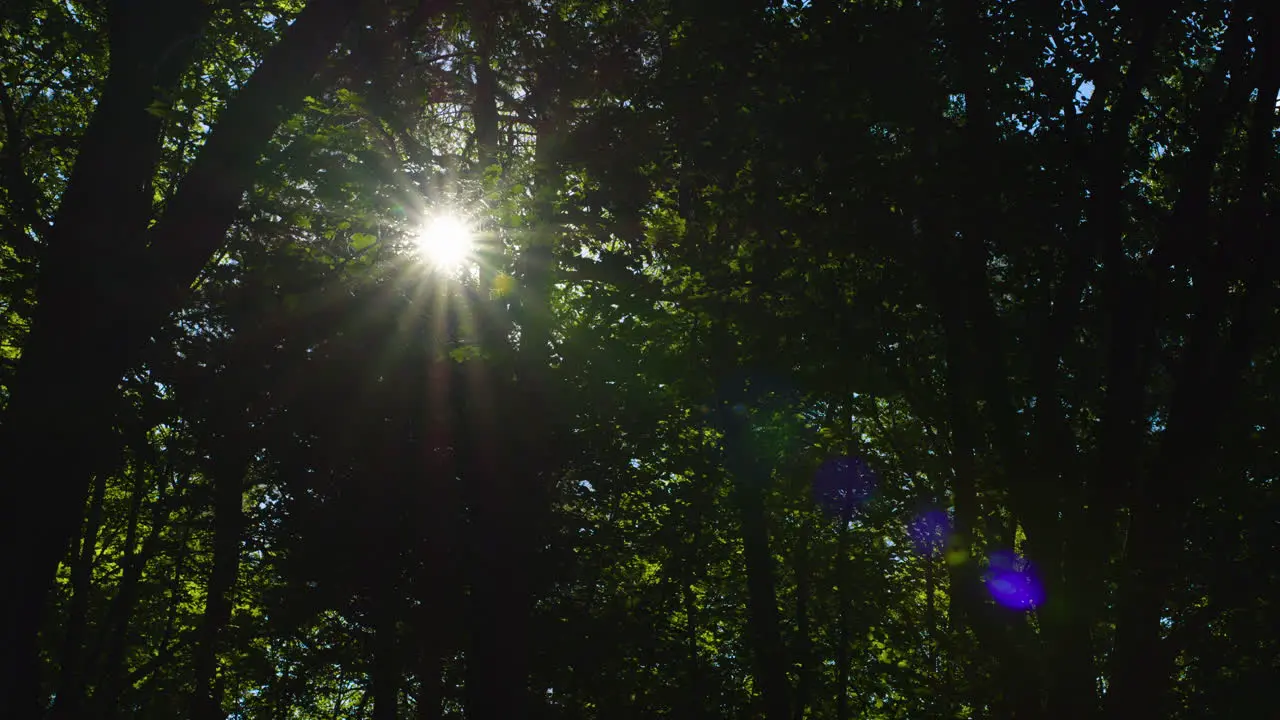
(446, 242)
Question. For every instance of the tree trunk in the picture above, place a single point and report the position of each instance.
(844, 576)
(116, 682)
(941, 690)
(71, 679)
(114, 631)
(430, 701)
(804, 637)
(485, 108)
(693, 695)
(484, 112)
(228, 519)
(497, 665)
(694, 701)
(386, 668)
(762, 602)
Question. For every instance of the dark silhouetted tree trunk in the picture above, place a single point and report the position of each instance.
(804, 637)
(430, 700)
(228, 524)
(386, 665)
(71, 678)
(114, 634)
(844, 619)
(750, 478)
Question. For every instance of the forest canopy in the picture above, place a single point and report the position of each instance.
(591, 359)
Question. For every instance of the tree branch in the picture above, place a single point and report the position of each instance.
(209, 196)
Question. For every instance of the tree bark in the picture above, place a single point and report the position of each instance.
(228, 519)
(430, 700)
(499, 603)
(114, 633)
(762, 601)
(71, 679)
(484, 111)
(844, 576)
(693, 694)
(386, 667)
(804, 636)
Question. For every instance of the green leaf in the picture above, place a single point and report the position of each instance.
(465, 353)
(160, 109)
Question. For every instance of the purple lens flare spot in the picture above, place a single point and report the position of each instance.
(930, 532)
(1013, 582)
(842, 485)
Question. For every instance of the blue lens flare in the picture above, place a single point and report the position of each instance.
(1013, 582)
(842, 485)
(930, 532)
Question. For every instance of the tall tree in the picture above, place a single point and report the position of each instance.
(103, 266)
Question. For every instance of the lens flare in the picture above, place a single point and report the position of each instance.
(1012, 581)
(842, 485)
(931, 533)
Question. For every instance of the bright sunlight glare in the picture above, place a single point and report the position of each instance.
(445, 241)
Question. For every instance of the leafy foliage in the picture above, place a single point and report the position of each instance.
(816, 360)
